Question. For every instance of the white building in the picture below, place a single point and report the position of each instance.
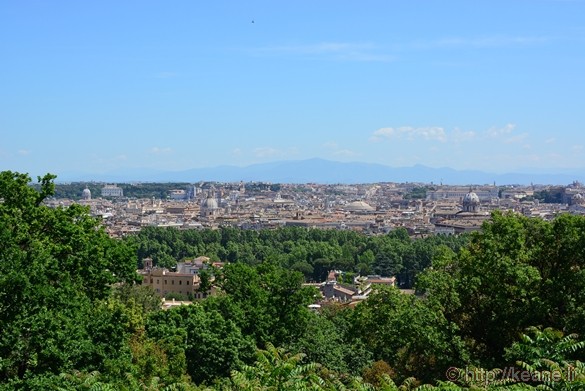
(486, 193)
(112, 191)
(177, 195)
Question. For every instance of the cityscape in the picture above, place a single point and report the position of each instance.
(315, 195)
(422, 209)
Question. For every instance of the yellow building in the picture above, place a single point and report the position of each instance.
(165, 282)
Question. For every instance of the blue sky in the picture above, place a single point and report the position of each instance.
(98, 86)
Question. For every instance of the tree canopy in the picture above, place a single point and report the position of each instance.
(511, 296)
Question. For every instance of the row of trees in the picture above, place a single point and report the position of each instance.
(161, 190)
(313, 252)
(72, 317)
(74, 190)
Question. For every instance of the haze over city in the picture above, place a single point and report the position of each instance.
(106, 86)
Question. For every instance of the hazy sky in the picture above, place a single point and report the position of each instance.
(102, 85)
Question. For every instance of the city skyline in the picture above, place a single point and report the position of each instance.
(493, 86)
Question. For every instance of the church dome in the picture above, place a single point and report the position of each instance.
(358, 206)
(210, 203)
(471, 202)
(86, 194)
(471, 199)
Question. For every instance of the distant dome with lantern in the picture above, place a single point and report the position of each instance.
(210, 203)
(471, 202)
(471, 198)
(209, 206)
(86, 194)
(358, 206)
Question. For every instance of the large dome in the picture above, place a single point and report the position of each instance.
(471, 199)
(358, 206)
(210, 203)
(86, 194)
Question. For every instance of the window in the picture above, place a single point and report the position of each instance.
(165, 282)
(180, 282)
(187, 282)
(151, 280)
(157, 281)
(173, 282)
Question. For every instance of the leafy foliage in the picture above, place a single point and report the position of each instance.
(71, 316)
(56, 267)
(313, 252)
(212, 345)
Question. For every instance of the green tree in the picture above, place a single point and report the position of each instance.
(389, 261)
(276, 370)
(305, 268)
(408, 333)
(141, 296)
(323, 343)
(212, 345)
(515, 273)
(56, 268)
(273, 299)
(538, 346)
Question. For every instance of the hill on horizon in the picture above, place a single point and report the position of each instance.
(326, 171)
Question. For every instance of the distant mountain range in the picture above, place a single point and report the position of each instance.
(326, 171)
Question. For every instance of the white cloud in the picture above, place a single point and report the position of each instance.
(409, 133)
(263, 152)
(494, 132)
(160, 151)
(506, 134)
(551, 140)
(236, 151)
(346, 51)
(516, 139)
(270, 152)
(23, 152)
(372, 52)
(383, 133)
(477, 42)
(489, 41)
(336, 150)
(458, 135)
(433, 133)
(331, 145)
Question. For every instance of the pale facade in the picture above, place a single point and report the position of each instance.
(164, 282)
(177, 194)
(112, 191)
(458, 193)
